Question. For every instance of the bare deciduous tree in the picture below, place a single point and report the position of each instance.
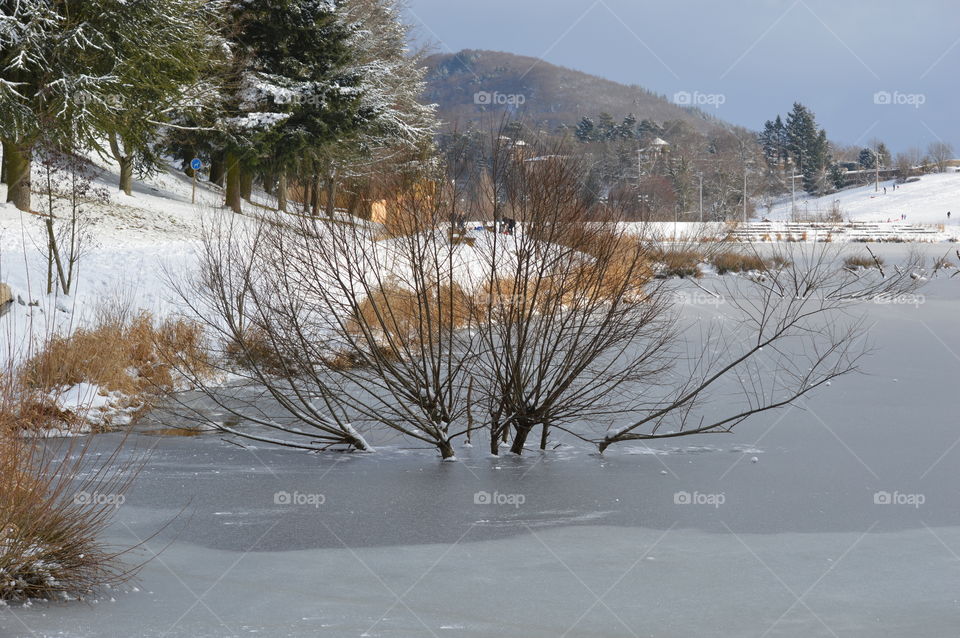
(940, 154)
(422, 327)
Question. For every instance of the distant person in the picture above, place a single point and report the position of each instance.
(948, 215)
(884, 190)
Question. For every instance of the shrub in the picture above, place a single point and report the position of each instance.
(133, 356)
(253, 349)
(854, 262)
(391, 312)
(127, 356)
(727, 262)
(55, 501)
(678, 263)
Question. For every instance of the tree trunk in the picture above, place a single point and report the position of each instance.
(55, 252)
(3, 164)
(185, 159)
(519, 439)
(125, 160)
(315, 202)
(282, 192)
(246, 185)
(19, 161)
(544, 436)
(217, 169)
(307, 189)
(126, 174)
(332, 194)
(446, 450)
(233, 183)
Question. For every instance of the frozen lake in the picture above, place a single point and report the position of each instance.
(780, 529)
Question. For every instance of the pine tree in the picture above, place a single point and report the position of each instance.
(809, 148)
(55, 78)
(838, 177)
(168, 83)
(648, 130)
(586, 130)
(628, 128)
(288, 92)
(73, 71)
(606, 128)
(884, 154)
(773, 142)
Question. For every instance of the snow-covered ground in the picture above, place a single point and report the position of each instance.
(134, 240)
(924, 202)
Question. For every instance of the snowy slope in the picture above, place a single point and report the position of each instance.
(923, 202)
(135, 238)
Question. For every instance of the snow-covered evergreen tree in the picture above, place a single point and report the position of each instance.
(73, 71)
(164, 84)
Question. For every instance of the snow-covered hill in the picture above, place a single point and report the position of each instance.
(134, 239)
(924, 202)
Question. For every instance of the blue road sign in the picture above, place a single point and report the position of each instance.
(196, 164)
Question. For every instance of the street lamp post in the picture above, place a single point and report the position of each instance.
(700, 175)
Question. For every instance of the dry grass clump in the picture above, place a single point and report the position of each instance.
(131, 356)
(855, 262)
(620, 275)
(402, 317)
(732, 261)
(618, 265)
(678, 262)
(253, 349)
(55, 501)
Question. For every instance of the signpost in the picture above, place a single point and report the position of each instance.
(196, 165)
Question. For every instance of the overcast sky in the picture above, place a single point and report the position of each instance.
(884, 68)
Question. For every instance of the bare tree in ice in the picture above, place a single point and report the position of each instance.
(542, 319)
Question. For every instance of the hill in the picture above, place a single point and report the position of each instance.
(923, 202)
(471, 86)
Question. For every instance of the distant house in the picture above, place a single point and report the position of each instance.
(656, 148)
